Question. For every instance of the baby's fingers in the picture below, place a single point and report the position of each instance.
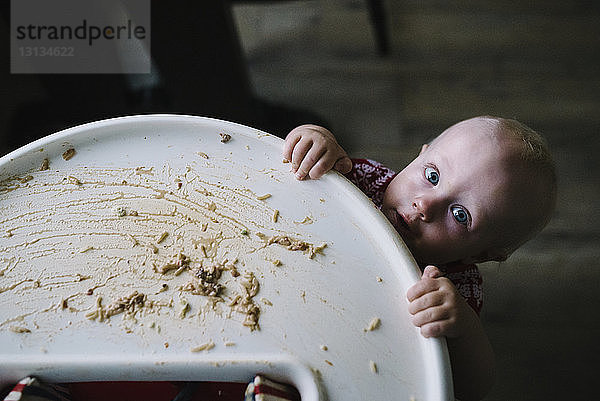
(428, 300)
(290, 143)
(315, 159)
(432, 272)
(430, 315)
(343, 165)
(437, 328)
(299, 153)
(325, 163)
(421, 288)
(328, 161)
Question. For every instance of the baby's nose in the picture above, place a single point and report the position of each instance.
(427, 208)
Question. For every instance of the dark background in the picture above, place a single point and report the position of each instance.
(273, 65)
(199, 67)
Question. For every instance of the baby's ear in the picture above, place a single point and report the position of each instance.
(424, 148)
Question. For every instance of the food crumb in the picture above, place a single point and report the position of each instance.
(185, 307)
(229, 344)
(203, 347)
(180, 270)
(379, 279)
(324, 347)
(374, 324)
(266, 301)
(293, 244)
(142, 170)
(68, 154)
(162, 237)
(225, 137)
(202, 154)
(73, 180)
(263, 197)
(45, 165)
(19, 329)
(307, 220)
(373, 366)
(328, 362)
(275, 215)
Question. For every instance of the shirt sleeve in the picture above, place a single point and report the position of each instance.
(469, 283)
(371, 177)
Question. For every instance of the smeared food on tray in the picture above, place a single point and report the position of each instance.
(137, 244)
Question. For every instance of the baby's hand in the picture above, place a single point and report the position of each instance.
(314, 151)
(437, 307)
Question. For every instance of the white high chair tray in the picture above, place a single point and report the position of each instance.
(153, 248)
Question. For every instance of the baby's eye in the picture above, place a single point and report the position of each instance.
(432, 175)
(460, 215)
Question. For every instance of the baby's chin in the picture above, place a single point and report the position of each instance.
(415, 252)
(422, 253)
(424, 258)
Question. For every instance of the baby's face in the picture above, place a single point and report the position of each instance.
(451, 202)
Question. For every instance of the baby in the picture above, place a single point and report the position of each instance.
(476, 193)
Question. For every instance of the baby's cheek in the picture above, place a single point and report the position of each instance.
(431, 250)
(393, 195)
(419, 251)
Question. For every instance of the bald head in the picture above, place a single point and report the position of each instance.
(530, 187)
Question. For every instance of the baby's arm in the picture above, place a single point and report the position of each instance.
(314, 151)
(439, 310)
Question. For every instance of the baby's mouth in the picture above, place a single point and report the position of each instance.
(402, 222)
(401, 225)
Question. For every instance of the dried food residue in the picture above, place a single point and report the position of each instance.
(68, 154)
(293, 244)
(373, 324)
(196, 242)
